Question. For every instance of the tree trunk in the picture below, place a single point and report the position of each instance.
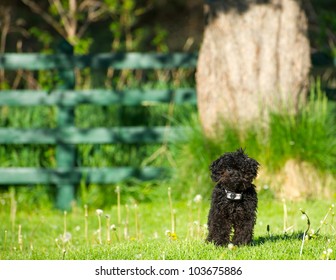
(255, 58)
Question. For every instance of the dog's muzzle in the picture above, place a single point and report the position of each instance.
(233, 196)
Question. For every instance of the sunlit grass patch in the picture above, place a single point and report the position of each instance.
(150, 231)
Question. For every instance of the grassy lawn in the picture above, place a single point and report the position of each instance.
(145, 232)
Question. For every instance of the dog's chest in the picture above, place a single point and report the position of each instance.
(233, 206)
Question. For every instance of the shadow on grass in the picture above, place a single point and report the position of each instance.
(261, 240)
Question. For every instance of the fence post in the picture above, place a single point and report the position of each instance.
(65, 153)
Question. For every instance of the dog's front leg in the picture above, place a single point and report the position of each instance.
(219, 231)
(243, 232)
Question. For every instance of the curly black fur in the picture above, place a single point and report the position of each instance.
(233, 172)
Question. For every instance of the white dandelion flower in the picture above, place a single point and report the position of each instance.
(113, 227)
(99, 212)
(198, 198)
(65, 237)
(266, 187)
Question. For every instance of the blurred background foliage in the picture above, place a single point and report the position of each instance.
(129, 25)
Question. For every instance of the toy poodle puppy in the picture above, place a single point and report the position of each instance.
(234, 199)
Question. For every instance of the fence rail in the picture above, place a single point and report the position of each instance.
(59, 176)
(101, 97)
(13, 61)
(66, 136)
(100, 135)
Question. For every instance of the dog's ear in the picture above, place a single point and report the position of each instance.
(254, 166)
(215, 170)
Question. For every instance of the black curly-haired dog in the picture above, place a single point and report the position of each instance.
(234, 199)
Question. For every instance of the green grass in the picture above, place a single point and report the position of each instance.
(43, 231)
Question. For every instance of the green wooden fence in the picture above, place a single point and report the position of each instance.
(66, 136)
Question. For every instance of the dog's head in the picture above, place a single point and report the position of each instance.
(234, 169)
